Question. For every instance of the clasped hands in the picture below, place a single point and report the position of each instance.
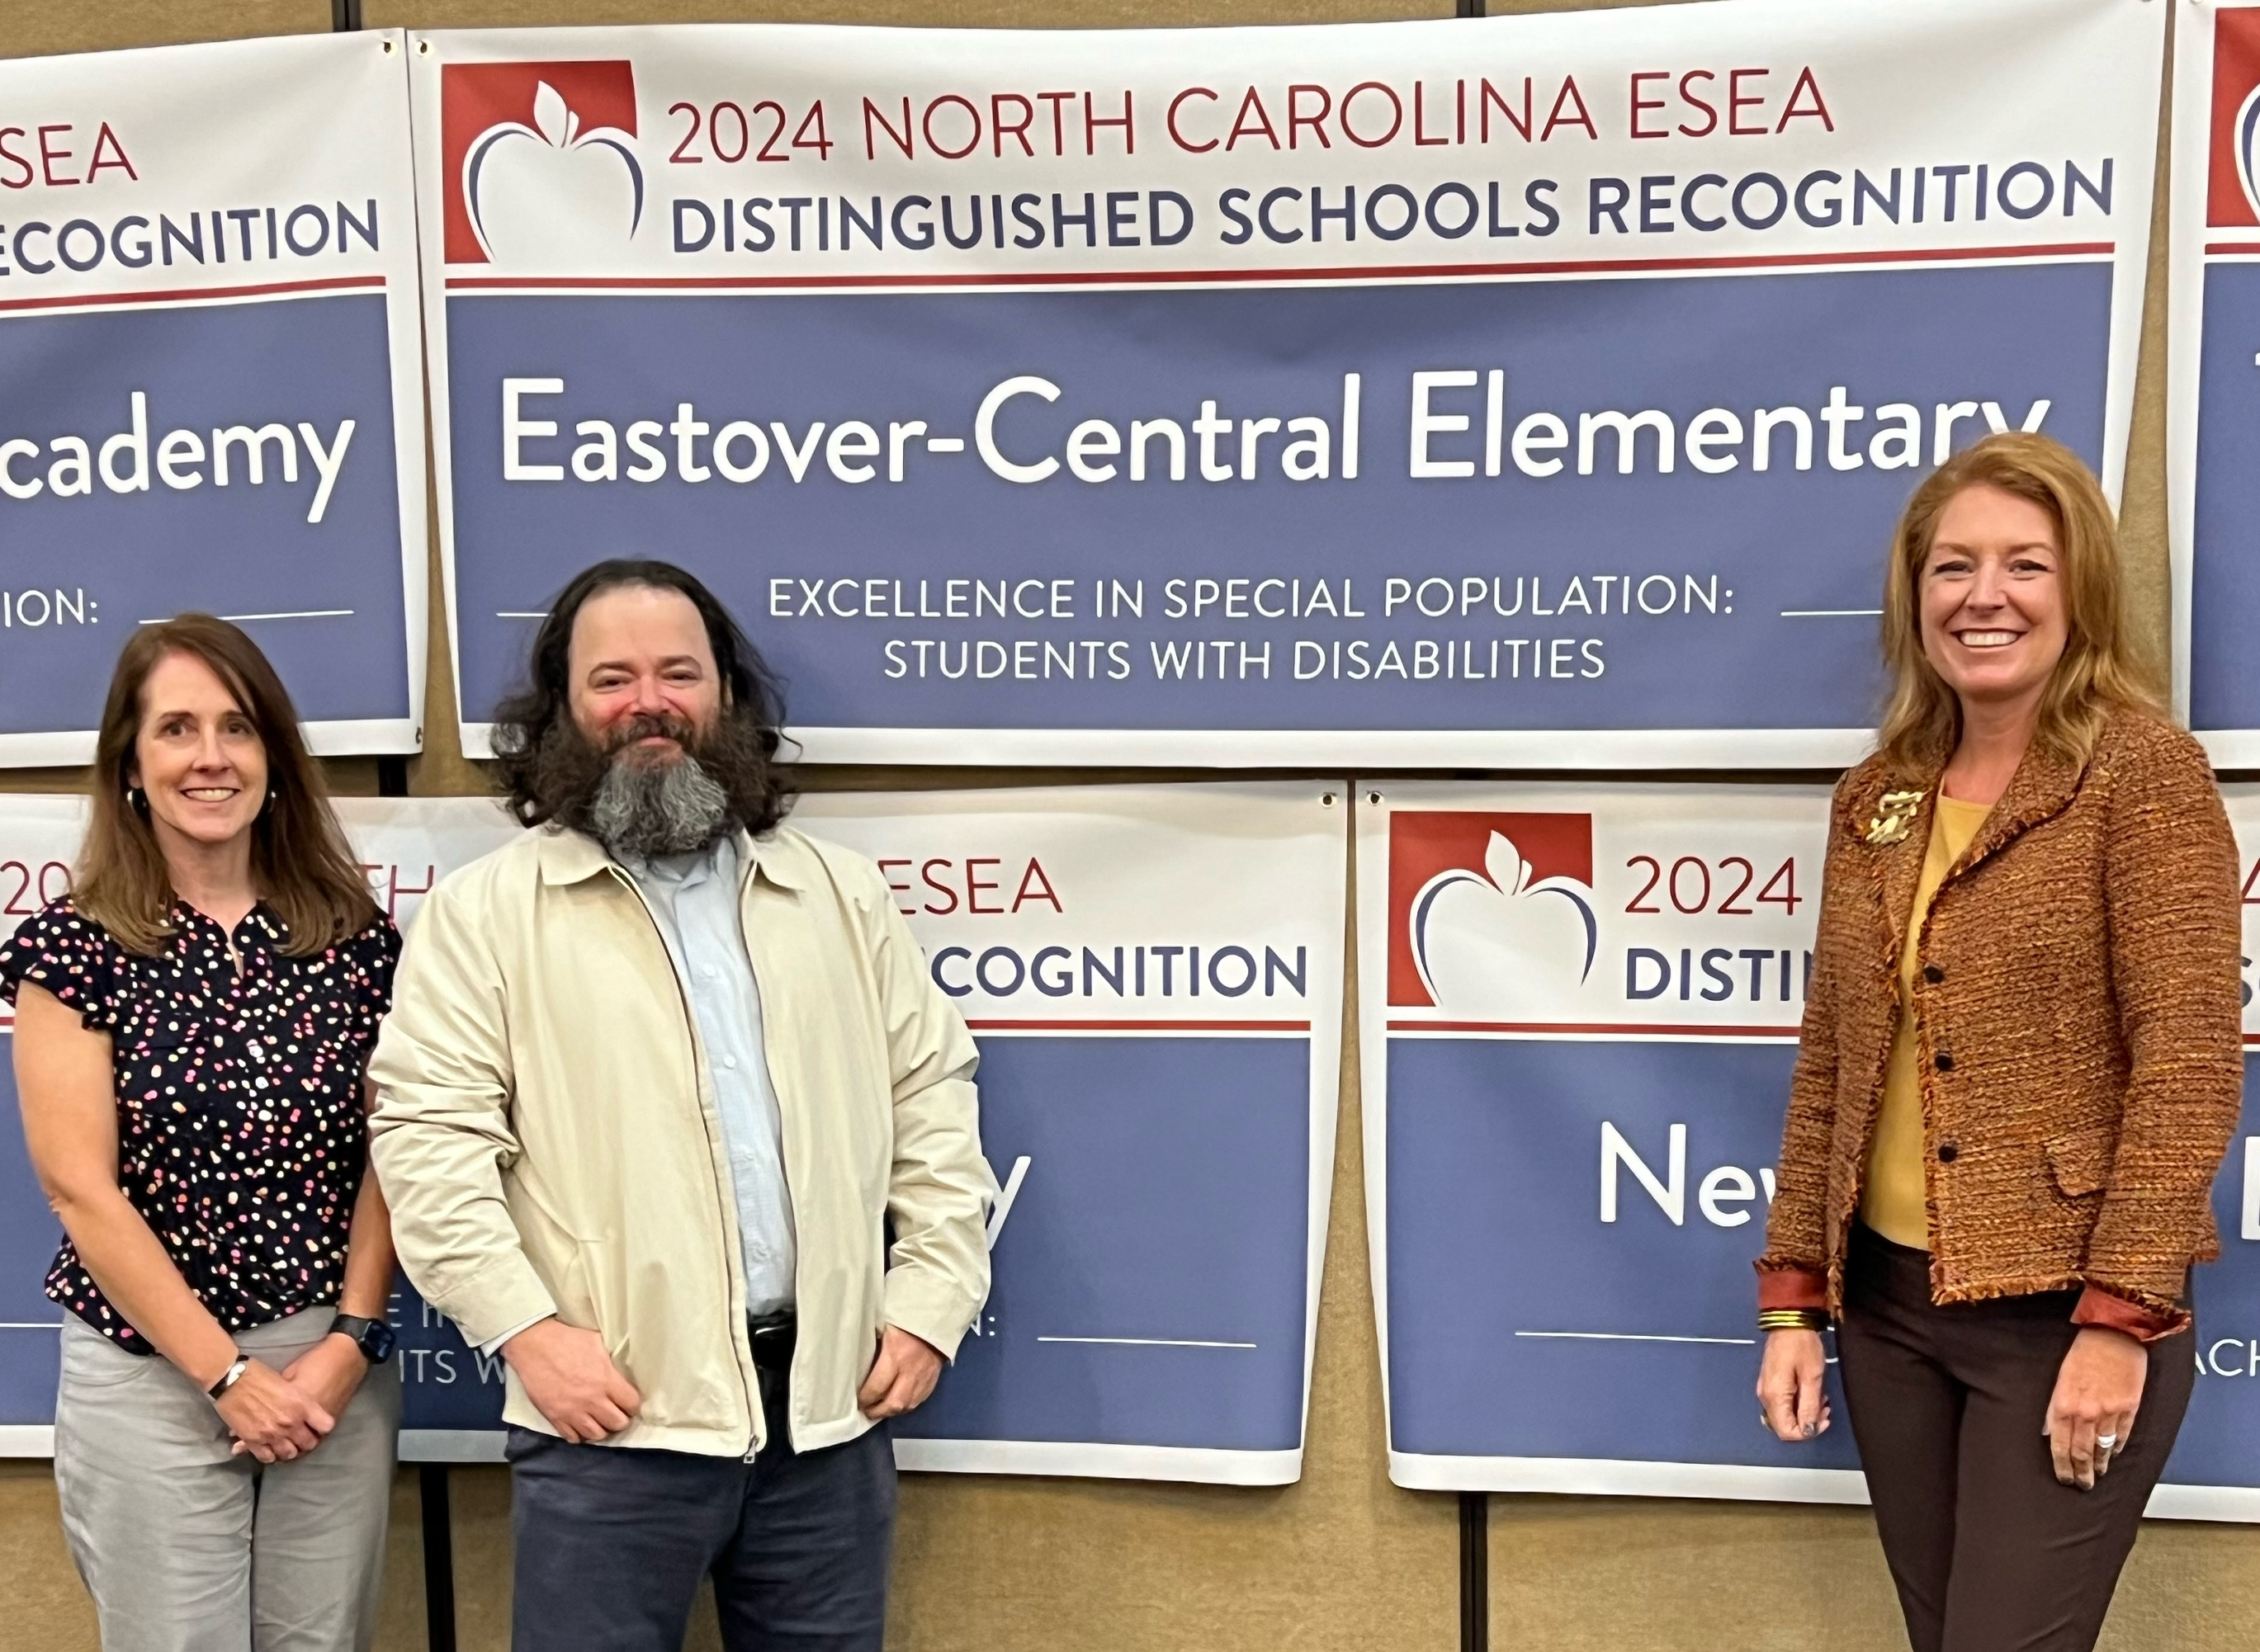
(573, 1383)
(279, 1416)
(2099, 1389)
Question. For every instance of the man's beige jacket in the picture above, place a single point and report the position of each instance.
(546, 1134)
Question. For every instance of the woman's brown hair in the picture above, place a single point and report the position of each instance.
(2100, 671)
(300, 863)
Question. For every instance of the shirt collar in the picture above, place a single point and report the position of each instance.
(259, 923)
(718, 862)
(568, 856)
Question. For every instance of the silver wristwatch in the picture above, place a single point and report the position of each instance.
(229, 1378)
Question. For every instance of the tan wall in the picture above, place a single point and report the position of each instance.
(1343, 1560)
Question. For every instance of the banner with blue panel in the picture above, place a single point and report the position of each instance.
(1154, 976)
(29, 1355)
(39, 838)
(2213, 373)
(210, 384)
(1580, 1013)
(1481, 391)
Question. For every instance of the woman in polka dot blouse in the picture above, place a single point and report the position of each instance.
(191, 1026)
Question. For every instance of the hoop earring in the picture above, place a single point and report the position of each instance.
(137, 800)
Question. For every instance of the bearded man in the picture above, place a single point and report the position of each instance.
(660, 1078)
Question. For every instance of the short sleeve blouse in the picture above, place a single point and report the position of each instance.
(241, 1132)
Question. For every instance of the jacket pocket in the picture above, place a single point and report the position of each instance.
(589, 1295)
(2081, 1159)
(575, 1289)
(557, 1253)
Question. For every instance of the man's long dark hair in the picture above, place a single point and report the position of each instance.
(535, 721)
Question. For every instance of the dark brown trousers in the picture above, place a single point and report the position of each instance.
(1990, 1553)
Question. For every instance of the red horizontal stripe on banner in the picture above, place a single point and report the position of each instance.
(1140, 1026)
(2214, 249)
(174, 295)
(1684, 1031)
(1364, 272)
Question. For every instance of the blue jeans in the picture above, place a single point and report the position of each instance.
(612, 1542)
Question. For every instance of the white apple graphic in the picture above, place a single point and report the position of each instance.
(1499, 946)
(551, 195)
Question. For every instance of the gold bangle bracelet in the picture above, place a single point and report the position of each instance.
(1793, 1319)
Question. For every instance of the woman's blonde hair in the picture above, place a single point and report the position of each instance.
(305, 872)
(2100, 671)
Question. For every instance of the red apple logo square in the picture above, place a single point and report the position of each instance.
(539, 162)
(1492, 914)
(2232, 192)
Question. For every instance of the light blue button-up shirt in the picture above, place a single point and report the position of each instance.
(695, 899)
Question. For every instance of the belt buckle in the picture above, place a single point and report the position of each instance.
(766, 1332)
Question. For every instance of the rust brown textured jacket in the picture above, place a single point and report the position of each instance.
(2077, 1004)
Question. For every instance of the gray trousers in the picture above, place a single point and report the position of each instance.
(186, 1549)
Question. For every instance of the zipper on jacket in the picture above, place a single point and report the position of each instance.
(690, 1026)
(746, 872)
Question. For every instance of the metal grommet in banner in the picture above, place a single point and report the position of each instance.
(1373, 797)
(423, 48)
(1327, 800)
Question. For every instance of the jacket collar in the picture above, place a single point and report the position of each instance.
(568, 856)
(2042, 787)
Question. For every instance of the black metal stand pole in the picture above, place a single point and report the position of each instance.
(1475, 1571)
(438, 1559)
(1475, 1507)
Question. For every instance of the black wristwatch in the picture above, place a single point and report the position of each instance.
(372, 1337)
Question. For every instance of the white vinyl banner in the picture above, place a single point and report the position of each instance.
(2212, 377)
(1153, 975)
(1579, 1015)
(1479, 391)
(2214, 1473)
(211, 377)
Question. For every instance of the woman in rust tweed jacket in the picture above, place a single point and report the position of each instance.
(2021, 1066)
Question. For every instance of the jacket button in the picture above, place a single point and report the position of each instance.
(1945, 1061)
(1932, 973)
(1948, 1152)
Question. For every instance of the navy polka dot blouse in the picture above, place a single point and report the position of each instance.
(241, 1132)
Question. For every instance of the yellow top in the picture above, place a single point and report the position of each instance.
(1895, 1199)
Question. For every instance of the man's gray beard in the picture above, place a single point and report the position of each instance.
(667, 808)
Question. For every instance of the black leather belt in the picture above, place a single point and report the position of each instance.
(772, 1336)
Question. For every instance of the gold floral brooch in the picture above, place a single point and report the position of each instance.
(1896, 813)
